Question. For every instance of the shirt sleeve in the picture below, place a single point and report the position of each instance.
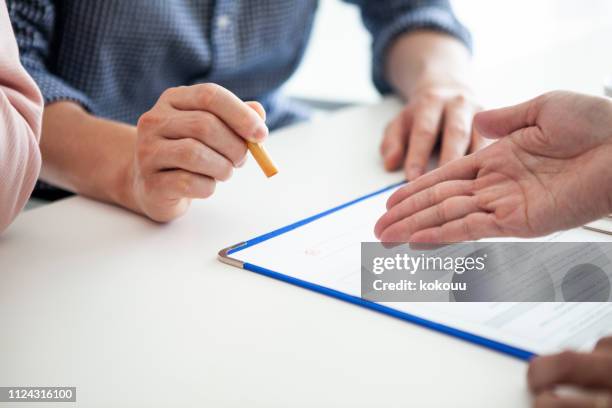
(386, 19)
(34, 24)
(20, 122)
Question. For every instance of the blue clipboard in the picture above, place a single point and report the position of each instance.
(227, 256)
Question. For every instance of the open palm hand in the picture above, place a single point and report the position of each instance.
(551, 170)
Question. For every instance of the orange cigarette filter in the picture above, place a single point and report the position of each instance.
(262, 158)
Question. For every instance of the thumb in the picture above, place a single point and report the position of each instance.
(501, 122)
(257, 107)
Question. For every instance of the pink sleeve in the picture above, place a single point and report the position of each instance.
(20, 126)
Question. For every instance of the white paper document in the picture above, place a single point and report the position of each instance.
(327, 252)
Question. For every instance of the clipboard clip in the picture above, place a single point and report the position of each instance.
(224, 257)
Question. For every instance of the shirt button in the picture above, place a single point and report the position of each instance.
(223, 21)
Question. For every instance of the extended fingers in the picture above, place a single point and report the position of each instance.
(497, 123)
(472, 227)
(422, 200)
(458, 116)
(439, 214)
(393, 146)
(426, 121)
(462, 169)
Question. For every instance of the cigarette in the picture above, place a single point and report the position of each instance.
(262, 158)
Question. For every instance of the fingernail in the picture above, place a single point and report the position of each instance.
(242, 161)
(260, 133)
(414, 172)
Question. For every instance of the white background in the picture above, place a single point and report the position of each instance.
(337, 63)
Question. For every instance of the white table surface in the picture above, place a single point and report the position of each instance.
(137, 314)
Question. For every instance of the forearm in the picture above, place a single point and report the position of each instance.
(19, 162)
(88, 155)
(424, 57)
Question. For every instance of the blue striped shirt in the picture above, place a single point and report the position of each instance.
(115, 57)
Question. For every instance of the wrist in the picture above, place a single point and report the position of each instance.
(122, 180)
(123, 190)
(433, 80)
(425, 58)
